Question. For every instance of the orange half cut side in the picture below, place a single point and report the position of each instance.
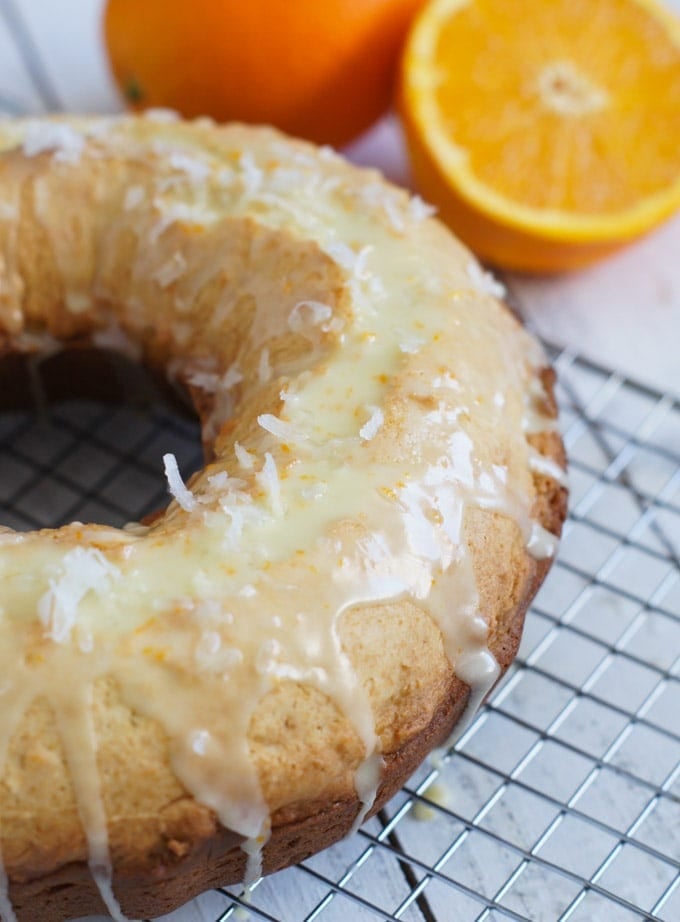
(546, 131)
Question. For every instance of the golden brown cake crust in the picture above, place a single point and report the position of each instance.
(304, 745)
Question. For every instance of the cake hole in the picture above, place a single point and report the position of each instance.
(82, 438)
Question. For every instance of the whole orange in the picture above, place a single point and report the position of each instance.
(320, 69)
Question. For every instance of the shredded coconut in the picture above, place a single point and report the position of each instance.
(268, 478)
(197, 170)
(420, 209)
(355, 263)
(360, 269)
(83, 570)
(66, 143)
(308, 313)
(279, 428)
(329, 154)
(115, 338)
(177, 212)
(241, 510)
(442, 415)
(285, 179)
(170, 271)
(244, 457)
(343, 255)
(205, 380)
(176, 485)
(224, 402)
(372, 426)
(207, 646)
(252, 174)
(223, 483)
(219, 480)
(394, 214)
(378, 195)
(484, 281)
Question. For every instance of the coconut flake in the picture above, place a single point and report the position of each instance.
(279, 428)
(484, 281)
(177, 213)
(115, 338)
(84, 570)
(66, 143)
(372, 426)
(252, 174)
(308, 313)
(268, 478)
(343, 255)
(244, 457)
(392, 209)
(204, 380)
(419, 209)
(225, 484)
(212, 382)
(378, 195)
(197, 170)
(239, 506)
(176, 485)
(329, 154)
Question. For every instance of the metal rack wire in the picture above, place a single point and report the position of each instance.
(562, 800)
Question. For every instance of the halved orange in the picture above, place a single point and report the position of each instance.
(547, 132)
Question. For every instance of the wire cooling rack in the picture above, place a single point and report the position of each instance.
(562, 799)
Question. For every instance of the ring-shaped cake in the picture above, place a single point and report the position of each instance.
(242, 681)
